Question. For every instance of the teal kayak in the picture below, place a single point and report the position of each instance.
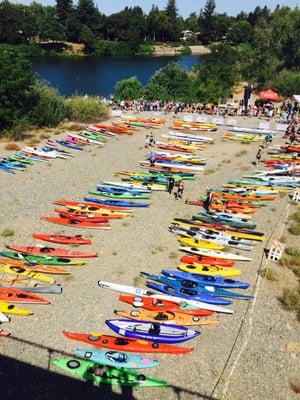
(124, 195)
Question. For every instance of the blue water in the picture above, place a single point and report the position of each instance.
(98, 75)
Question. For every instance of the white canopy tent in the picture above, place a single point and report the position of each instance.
(296, 97)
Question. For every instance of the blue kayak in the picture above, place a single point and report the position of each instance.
(198, 295)
(28, 157)
(205, 280)
(117, 203)
(69, 145)
(111, 189)
(7, 169)
(117, 358)
(12, 165)
(208, 290)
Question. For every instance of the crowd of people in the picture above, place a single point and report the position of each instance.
(287, 111)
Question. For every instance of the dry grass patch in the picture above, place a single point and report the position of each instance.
(294, 229)
(269, 274)
(7, 232)
(45, 136)
(295, 387)
(241, 153)
(12, 146)
(173, 255)
(290, 299)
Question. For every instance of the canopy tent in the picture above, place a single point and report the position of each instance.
(296, 97)
(268, 95)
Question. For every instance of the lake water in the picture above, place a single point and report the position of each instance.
(98, 75)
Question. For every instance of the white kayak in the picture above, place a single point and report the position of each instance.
(214, 253)
(173, 155)
(3, 318)
(36, 152)
(102, 131)
(193, 168)
(191, 137)
(140, 188)
(152, 294)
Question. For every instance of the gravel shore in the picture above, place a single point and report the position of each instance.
(245, 357)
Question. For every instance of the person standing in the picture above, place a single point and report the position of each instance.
(152, 159)
(147, 142)
(268, 139)
(208, 199)
(258, 155)
(170, 184)
(151, 140)
(179, 193)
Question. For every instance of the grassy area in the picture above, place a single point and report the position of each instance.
(269, 274)
(7, 232)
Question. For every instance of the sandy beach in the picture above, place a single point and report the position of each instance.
(244, 357)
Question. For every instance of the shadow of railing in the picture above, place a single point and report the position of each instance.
(20, 380)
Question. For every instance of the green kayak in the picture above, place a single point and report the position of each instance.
(100, 373)
(47, 260)
(126, 196)
(19, 159)
(92, 136)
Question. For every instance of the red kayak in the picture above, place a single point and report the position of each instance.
(76, 223)
(292, 149)
(82, 216)
(78, 239)
(20, 296)
(50, 251)
(174, 148)
(67, 203)
(219, 262)
(126, 344)
(149, 303)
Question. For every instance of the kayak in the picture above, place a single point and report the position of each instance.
(99, 216)
(101, 212)
(121, 195)
(94, 207)
(122, 186)
(126, 344)
(209, 270)
(144, 330)
(225, 219)
(216, 281)
(214, 253)
(47, 260)
(44, 269)
(28, 273)
(184, 293)
(146, 292)
(190, 259)
(117, 359)
(3, 318)
(200, 243)
(103, 374)
(8, 308)
(188, 288)
(69, 145)
(116, 203)
(76, 223)
(167, 317)
(61, 239)
(50, 251)
(20, 296)
(156, 305)
(195, 239)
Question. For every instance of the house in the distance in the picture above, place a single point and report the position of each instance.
(189, 35)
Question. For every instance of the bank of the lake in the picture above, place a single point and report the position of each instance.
(98, 75)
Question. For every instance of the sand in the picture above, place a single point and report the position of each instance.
(244, 357)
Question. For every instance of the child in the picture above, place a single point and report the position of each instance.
(179, 193)
(171, 184)
(258, 156)
(147, 142)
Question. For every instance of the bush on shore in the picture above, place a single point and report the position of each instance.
(129, 89)
(86, 109)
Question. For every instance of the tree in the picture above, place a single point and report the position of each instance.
(87, 37)
(174, 28)
(50, 28)
(206, 20)
(171, 10)
(240, 32)
(173, 82)
(191, 23)
(129, 89)
(63, 10)
(88, 14)
(16, 88)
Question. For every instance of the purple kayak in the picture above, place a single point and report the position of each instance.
(145, 330)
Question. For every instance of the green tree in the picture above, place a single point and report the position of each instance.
(87, 37)
(286, 82)
(50, 28)
(191, 23)
(129, 89)
(175, 26)
(16, 88)
(173, 82)
(240, 32)
(88, 14)
(206, 21)
(63, 10)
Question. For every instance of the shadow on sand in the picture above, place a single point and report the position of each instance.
(23, 381)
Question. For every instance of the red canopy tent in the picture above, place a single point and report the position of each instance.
(268, 95)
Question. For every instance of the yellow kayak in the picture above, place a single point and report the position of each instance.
(255, 187)
(195, 124)
(209, 270)
(10, 269)
(167, 317)
(189, 160)
(242, 235)
(204, 244)
(8, 308)
(186, 146)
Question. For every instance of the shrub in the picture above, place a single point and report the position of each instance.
(86, 109)
(146, 49)
(293, 251)
(11, 146)
(295, 216)
(294, 229)
(129, 89)
(290, 299)
(7, 232)
(269, 274)
(185, 51)
(50, 108)
(287, 82)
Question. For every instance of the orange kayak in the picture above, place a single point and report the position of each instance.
(94, 206)
(167, 317)
(61, 239)
(20, 296)
(46, 269)
(75, 223)
(51, 251)
(84, 213)
(230, 196)
(126, 344)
